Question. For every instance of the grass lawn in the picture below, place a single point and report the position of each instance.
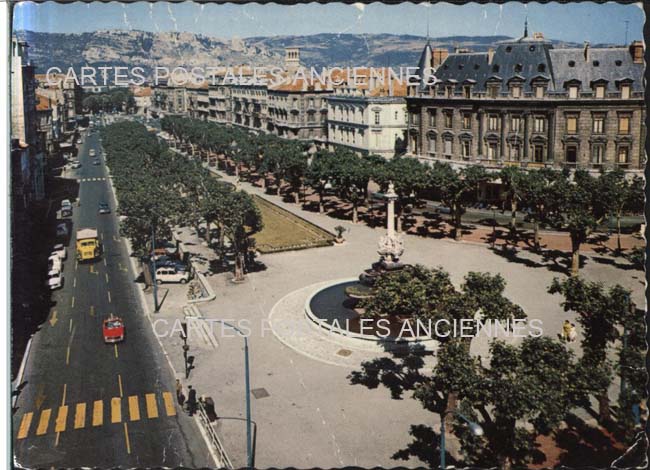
(285, 231)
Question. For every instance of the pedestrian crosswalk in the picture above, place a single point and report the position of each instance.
(88, 180)
(118, 409)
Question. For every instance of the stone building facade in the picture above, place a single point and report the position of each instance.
(298, 110)
(531, 105)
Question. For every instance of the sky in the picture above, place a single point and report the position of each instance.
(576, 22)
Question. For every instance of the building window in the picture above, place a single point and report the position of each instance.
(538, 153)
(449, 119)
(598, 154)
(448, 147)
(493, 91)
(492, 151)
(624, 124)
(600, 91)
(516, 92)
(571, 154)
(515, 152)
(432, 144)
(515, 124)
(572, 124)
(466, 147)
(493, 122)
(311, 102)
(449, 91)
(573, 92)
(415, 119)
(467, 91)
(598, 126)
(539, 92)
(432, 118)
(625, 92)
(467, 120)
(540, 124)
(396, 115)
(376, 118)
(623, 155)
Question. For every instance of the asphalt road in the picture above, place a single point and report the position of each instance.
(83, 403)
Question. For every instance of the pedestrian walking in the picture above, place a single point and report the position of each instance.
(191, 400)
(566, 330)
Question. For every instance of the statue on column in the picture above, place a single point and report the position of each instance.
(391, 245)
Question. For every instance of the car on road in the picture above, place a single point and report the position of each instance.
(79, 141)
(92, 153)
(55, 280)
(75, 165)
(171, 274)
(66, 202)
(113, 329)
(62, 230)
(54, 263)
(96, 162)
(60, 251)
(104, 208)
(66, 212)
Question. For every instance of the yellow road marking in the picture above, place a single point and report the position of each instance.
(98, 413)
(109, 296)
(134, 409)
(67, 357)
(56, 441)
(65, 389)
(92, 310)
(119, 383)
(116, 410)
(25, 423)
(80, 416)
(169, 404)
(152, 407)
(73, 301)
(61, 418)
(43, 422)
(126, 438)
(116, 355)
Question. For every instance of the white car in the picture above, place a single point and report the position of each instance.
(55, 281)
(54, 263)
(92, 153)
(75, 165)
(66, 202)
(60, 251)
(62, 230)
(170, 274)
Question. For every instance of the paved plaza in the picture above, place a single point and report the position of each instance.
(304, 405)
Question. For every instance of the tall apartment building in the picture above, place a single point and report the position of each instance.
(369, 117)
(27, 160)
(529, 104)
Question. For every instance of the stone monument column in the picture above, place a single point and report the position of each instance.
(391, 245)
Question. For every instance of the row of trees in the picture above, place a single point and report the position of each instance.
(520, 392)
(576, 202)
(118, 99)
(158, 189)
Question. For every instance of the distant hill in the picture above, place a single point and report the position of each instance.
(171, 49)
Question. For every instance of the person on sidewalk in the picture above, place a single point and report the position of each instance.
(566, 330)
(179, 392)
(191, 400)
(573, 333)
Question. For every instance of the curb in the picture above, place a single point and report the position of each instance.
(208, 288)
(21, 371)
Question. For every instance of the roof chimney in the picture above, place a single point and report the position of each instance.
(490, 53)
(586, 51)
(636, 49)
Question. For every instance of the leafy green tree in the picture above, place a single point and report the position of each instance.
(514, 181)
(600, 311)
(581, 209)
(622, 196)
(409, 178)
(241, 220)
(457, 189)
(351, 175)
(319, 174)
(539, 195)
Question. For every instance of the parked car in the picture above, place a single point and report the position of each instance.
(55, 280)
(166, 261)
(92, 153)
(66, 212)
(171, 274)
(75, 165)
(104, 208)
(54, 263)
(78, 141)
(66, 202)
(62, 230)
(60, 251)
(96, 162)
(113, 329)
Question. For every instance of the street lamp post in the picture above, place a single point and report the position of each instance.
(249, 441)
(475, 429)
(153, 263)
